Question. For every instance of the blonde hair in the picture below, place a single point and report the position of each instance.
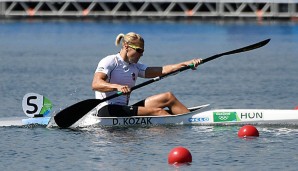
(128, 38)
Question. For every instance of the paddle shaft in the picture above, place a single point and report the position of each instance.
(72, 114)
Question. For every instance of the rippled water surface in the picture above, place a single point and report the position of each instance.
(58, 59)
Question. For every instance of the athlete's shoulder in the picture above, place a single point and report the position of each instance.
(110, 58)
(141, 66)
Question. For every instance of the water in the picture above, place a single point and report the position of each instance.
(57, 59)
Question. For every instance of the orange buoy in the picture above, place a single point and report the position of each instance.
(85, 12)
(179, 155)
(31, 11)
(248, 131)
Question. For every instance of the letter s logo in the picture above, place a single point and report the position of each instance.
(32, 104)
(35, 107)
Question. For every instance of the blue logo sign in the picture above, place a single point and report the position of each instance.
(198, 119)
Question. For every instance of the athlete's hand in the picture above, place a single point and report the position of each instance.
(196, 62)
(124, 89)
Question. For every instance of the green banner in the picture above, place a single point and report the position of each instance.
(225, 116)
(47, 106)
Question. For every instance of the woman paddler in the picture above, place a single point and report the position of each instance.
(118, 73)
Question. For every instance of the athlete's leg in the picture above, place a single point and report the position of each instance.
(151, 111)
(154, 105)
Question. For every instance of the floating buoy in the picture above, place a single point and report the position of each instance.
(248, 131)
(179, 155)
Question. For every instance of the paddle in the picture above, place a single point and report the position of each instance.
(72, 114)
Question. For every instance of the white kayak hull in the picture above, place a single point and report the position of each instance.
(200, 115)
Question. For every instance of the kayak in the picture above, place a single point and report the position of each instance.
(199, 115)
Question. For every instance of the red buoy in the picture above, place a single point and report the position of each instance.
(248, 131)
(179, 155)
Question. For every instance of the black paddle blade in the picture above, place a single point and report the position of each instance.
(73, 113)
(250, 47)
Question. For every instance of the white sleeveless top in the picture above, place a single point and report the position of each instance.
(118, 72)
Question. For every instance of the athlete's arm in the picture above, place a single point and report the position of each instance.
(152, 72)
(99, 83)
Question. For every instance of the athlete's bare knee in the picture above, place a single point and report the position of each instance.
(170, 97)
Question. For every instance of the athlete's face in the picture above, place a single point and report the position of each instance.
(134, 51)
